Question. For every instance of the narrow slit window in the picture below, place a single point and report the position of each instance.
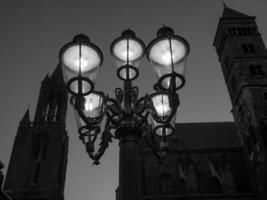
(245, 48)
(36, 173)
(44, 150)
(251, 48)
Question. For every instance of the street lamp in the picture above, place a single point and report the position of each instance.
(126, 117)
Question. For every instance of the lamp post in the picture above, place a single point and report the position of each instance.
(126, 117)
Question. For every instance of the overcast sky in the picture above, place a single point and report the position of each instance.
(32, 33)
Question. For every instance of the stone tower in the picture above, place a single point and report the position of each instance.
(243, 58)
(37, 166)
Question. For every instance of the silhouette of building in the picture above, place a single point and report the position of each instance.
(38, 162)
(214, 160)
(3, 195)
(243, 59)
(224, 160)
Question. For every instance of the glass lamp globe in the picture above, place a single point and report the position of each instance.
(91, 110)
(80, 60)
(93, 107)
(167, 54)
(127, 51)
(161, 114)
(161, 104)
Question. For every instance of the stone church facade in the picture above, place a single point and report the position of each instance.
(222, 160)
(216, 160)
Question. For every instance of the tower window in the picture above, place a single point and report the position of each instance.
(46, 113)
(230, 31)
(248, 48)
(245, 48)
(235, 31)
(40, 150)
(256, 70)
(248, 31)
(251, 48)
(239, 31)
(55, 114)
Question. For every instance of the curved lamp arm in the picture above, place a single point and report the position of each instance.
(103, 145)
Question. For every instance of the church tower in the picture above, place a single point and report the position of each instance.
(38, 162)
(243, 58)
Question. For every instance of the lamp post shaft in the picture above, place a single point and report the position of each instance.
(129, 188)
(127, 95)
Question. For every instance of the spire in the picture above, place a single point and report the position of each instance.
(57, 75)
(46, 78)
(229, 13)
(224, 5)
(26, 117)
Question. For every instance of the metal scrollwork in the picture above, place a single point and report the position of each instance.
(125, 106)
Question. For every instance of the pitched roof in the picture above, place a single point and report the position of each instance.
(206, 135)
(230, 13)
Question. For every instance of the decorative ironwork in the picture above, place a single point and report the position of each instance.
(126, 109)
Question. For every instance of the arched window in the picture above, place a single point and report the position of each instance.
(166, 186)
(41, 146)
(215, 185)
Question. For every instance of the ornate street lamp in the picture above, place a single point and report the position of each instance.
(126, 117)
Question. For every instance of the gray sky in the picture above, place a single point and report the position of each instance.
(32, 33)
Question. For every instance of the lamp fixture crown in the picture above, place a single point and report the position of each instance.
(128, 33)
(165, 31)
(81, 38)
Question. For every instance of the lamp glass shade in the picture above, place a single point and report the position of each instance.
(134, 51)
(161, 104)
(93, 106)
(167, 56)
(86, 60)
(127, 51)
(80, 59)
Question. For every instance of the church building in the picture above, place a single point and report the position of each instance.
(220, 160)
(206, 161)
(37, 167)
